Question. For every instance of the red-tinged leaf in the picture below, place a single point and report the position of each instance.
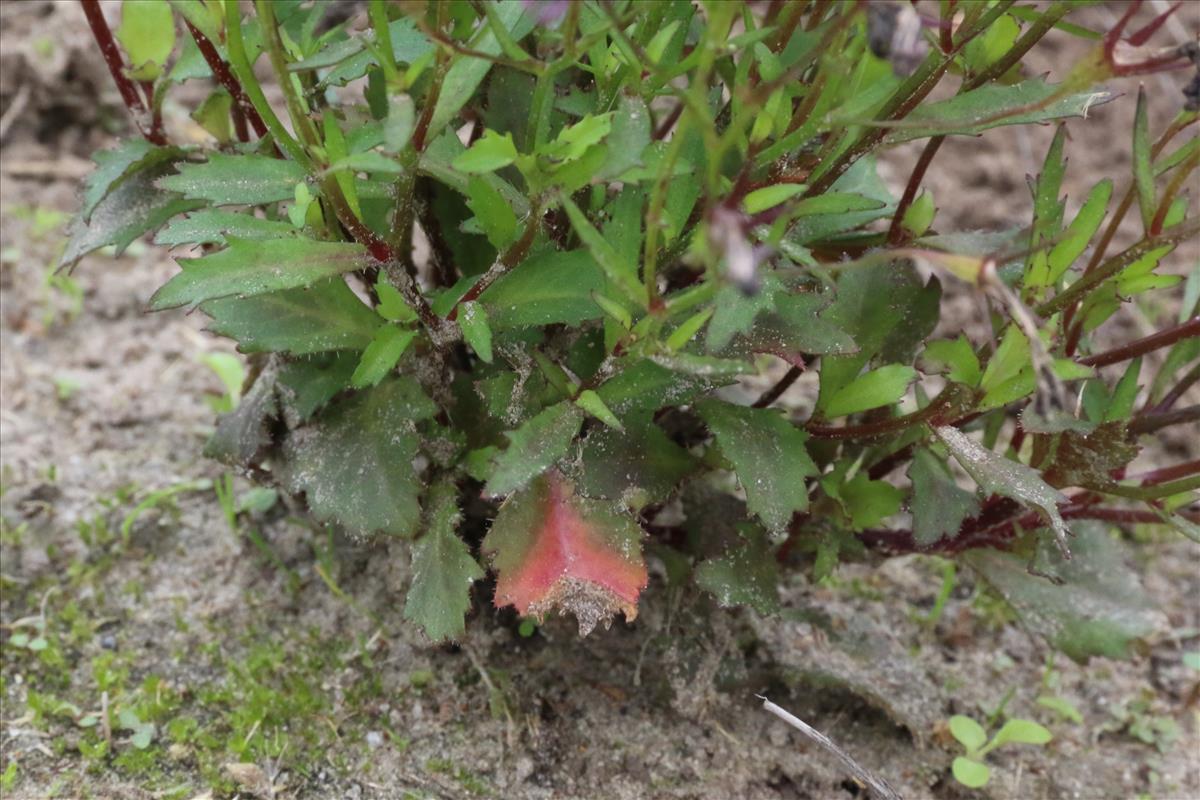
(554, 549)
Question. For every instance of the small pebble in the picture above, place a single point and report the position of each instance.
(108, 641)
(374, 739)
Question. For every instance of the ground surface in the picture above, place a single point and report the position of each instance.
(271, 661)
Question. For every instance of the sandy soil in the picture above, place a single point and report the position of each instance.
(286, 651)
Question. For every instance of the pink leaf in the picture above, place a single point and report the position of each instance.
(554, 549)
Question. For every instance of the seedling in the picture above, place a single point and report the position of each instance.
(969, 769)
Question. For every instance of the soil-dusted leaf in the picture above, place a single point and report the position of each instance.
(1087, 459)
(703, 366)
(236, 179)
(466, 73)
(768, 455)
(996, 474)
(535, 447)
(795, 329)
(113, 166)
(938, 505)
(309, 383)
(862, 180)
(879, 387)
(473, 321)
(248, 267)
(443, 570)
(630, 136)
(548, 288)
(635, 467)
(978, 110)
(736, 311)
(134, 208)
(554, 549)
(354, 460)
(242, 434)
(746, 575)
(381, 355)
(646, 386)
(324, 316)
(216, 226)
(1100, 609)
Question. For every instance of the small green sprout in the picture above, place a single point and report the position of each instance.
(969, 769)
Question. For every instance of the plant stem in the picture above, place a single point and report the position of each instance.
(1157, 420)
(116, 67)
(511, 257)
(301, 123)
(220, 71)
(1154, 341)
(1189, 379)
(776, 391)
(240, 64)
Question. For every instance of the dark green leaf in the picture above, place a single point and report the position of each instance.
(938, 505)
(552, 287)
(443, 570)
(746, 575)
(325, 316)
(213, 226)
(769, 456)
(635, 467)
(236, 179)
(1099, 610)
(535, 447)
(354, 461)
(113, 166)
(629, 137)
(246, 268)
(242, 434)
(621, 273)
(309, 383)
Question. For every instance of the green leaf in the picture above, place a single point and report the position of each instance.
(770, 196)
(687, 329)
(236, 179)
(969, 733)
(768, 455)
(488, 154)
(213, 226)
(645, 386)
(867, 502)
(1063, 707)
(938, 505)
(246, 268)
(1099, 610)
(590, 402)
(325, 316)
(629, 138)
(956, 358)
(147, 32)
(996, 474)
(309, 383)
(1047, 211)
(736, 311)
(879, 387)
(473, 321)
(745, 575)
(436, 163)
(113, 166)
(366, 161)
(243, 433)
(1020, 731)
(213, 116)
(970, 773)
(1009, 373)
(979, 110)
(575, 140)
(1124, 395)
(443, 570)
(836, 203)
(381, 355)
(535, 447)
(354, 461)
(1143, 171)
(495, 215)
(715, 369)
(635, 465)
(919, 216)
(134, 208)
(399, 124)
(548, 288)
(1081, 230)
(621, 273)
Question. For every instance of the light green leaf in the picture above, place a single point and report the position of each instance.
(879, 387)
(246, 268)
(769, 456)
(1009, 373)
(473, 321)
(970, 773)
(1081, 230)
(1020, 731)
(443, 570)
(398, 126)
(354, 461)
(236, 179)
(495, 215)
(491, 152)
(919, 216)
(771, 196)
(147, 32)
(535, 447)
(590, 402)
(956, 358)
(325, 316)
(367, 161)
(574, 140)
(969, 733)
(381, 355)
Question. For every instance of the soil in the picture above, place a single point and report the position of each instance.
(273, 660)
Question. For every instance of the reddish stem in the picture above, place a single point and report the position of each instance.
(1154, 341)
(226, 78)
(116, 67)
(1167, 474)
(1189, 379)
